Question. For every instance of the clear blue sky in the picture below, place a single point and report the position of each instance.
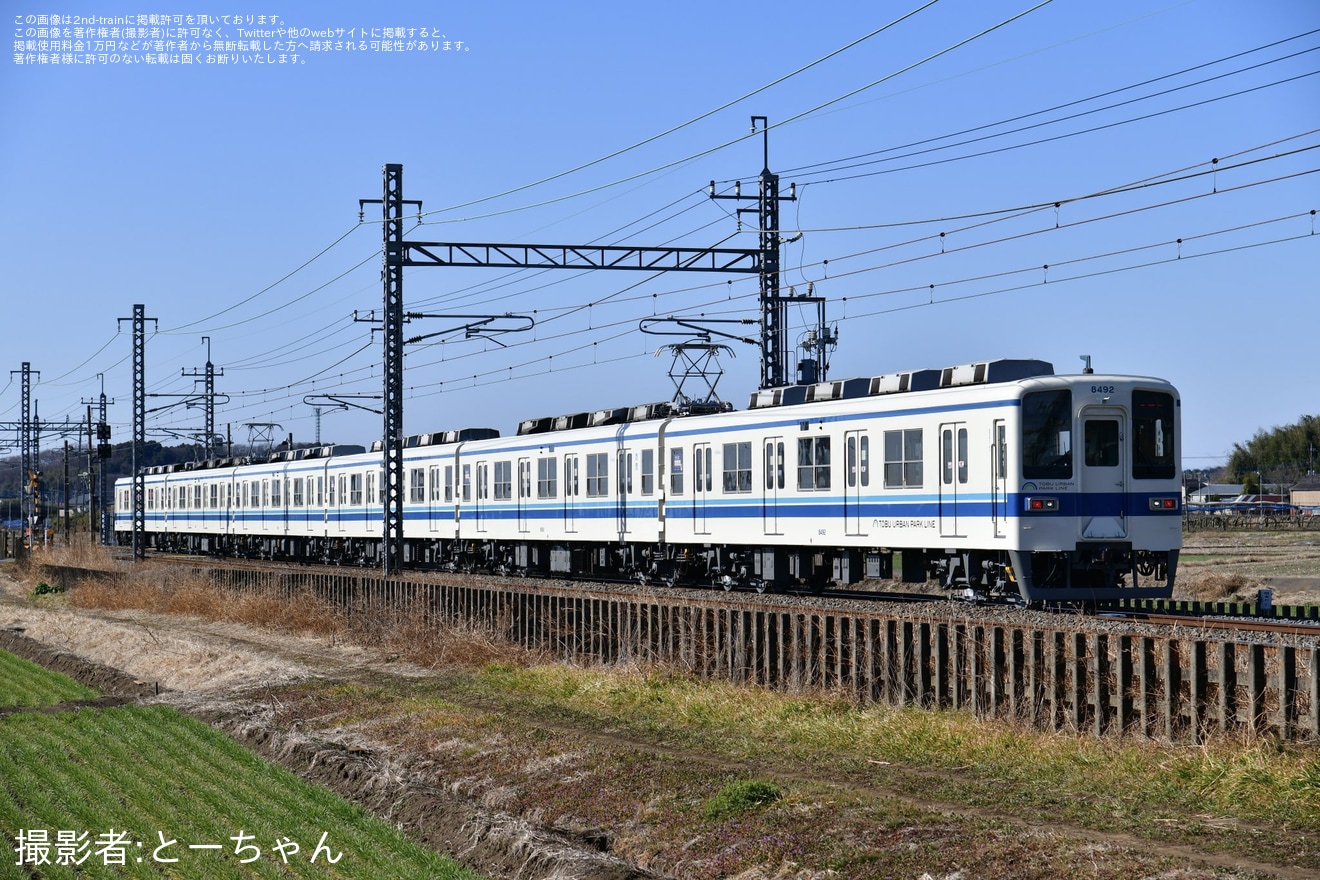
(225, 198)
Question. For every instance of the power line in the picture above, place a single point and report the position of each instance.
(834, 164)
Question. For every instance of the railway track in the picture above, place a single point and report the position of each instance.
(1233, 624)
(1282, 620)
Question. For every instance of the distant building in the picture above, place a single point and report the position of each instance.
(1306, 493)
(1212, 492)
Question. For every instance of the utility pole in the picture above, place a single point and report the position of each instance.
(774, 307)
(103, 452)
(36, 472)
(26, 510)
(139, 320)
(391, 274)
(91, 479)
(66, 493)
(208, 397)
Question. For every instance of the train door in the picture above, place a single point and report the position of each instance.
(524, 492)
(482, 499)
(774, 484)
(570, 492)
(999, 477)
(625, 464)
(857, 451)
(227, 498)
(1102, 490)
(339, 500)
(434, 494)
(701, 486)
(953, 477)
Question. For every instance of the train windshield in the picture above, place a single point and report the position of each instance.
(1047, 435)
(1152, 419)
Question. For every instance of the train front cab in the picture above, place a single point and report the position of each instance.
(1100, 474)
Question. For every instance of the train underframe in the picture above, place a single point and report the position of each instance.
(1092, 571)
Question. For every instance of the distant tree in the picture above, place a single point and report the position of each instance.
(1282, 454)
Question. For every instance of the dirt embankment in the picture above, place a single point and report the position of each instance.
(526, 799)
(208, 670)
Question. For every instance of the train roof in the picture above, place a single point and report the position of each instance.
(978, 373)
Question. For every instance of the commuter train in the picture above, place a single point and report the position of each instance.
(995, 478)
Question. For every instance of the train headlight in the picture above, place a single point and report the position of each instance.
(1034, 504)
(1164, 504)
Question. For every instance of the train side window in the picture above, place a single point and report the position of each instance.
(1047, 435)
(625, 473)
(1001, 449)
(467, 482)
(813, 462)
(850, 455)
(1152, 435)
(962, 455)
(676, 471)
(546, 478)
(648, 471)
(276, 498)
(946, 456)
(416, 485)
(298, 496)
(903, 459)
(355, 489)
(598, 474)
(449, 483)
(503, 480)
(738, 467)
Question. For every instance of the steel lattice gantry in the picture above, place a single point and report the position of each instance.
(398, 254)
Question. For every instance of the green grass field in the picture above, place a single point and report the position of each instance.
(27, 684)
(148, 792)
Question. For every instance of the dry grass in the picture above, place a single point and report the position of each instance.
(76, 555)
(412, 634)
(1215, 587)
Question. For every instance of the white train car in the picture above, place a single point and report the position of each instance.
(997, 477)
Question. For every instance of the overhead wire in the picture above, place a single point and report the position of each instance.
(631, 320)
(836, 164)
